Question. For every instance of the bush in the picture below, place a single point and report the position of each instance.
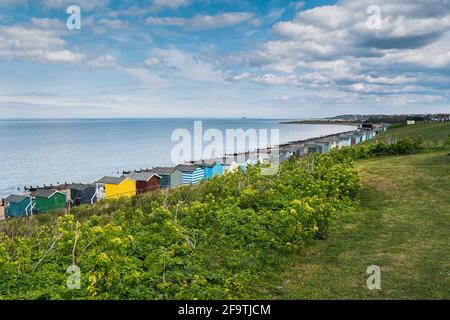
(365, 151)
(207, 242)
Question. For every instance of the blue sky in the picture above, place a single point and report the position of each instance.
(223, 58)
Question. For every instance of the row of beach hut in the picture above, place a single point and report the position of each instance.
(46, 199)
(326, 144)
(131, 183)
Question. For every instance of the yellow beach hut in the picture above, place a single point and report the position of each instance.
(115, 187)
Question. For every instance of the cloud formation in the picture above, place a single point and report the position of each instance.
(202, 22)
(335, 46)
(35, 44)
(298, 59)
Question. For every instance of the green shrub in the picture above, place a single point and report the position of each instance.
(207, 242)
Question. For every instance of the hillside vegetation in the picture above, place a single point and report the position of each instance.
(207, 242)
(436, 132)
(402, 226)
(308, 232)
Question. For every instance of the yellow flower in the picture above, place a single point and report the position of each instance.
(103, 257)
(116, 241)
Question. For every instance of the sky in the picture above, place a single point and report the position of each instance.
(224, 58)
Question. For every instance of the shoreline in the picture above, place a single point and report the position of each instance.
(322, 121)
(288, 143)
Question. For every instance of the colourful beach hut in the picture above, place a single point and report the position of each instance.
(192, 174)
(115, 187)
(145, 181)
(81, 194)
(18, 206)
(345, 141)
(314, 148)
(211, 169)
(333, 143)
(46, 200)
(170, 177)
(326, 147)
(360, 138)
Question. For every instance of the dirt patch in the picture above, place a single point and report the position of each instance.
(384, 185)
(381, 184)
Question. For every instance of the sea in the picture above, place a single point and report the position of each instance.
(38, 152)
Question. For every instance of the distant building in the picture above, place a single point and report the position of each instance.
(410, 122)
(367, 126)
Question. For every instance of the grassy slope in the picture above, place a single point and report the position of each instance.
(402, 225)
(429, 131)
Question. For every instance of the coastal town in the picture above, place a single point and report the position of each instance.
(48, 198)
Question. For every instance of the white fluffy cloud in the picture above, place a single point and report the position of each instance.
(31, 43)
(334, 46)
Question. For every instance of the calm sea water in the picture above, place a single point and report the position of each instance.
(56, 151)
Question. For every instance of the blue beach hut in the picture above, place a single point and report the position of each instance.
(191, 173)
(18, 206)
(360, 138)
(211, 169)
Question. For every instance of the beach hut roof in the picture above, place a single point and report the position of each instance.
(15, 198)
(187, 167)
(78, 186)
(206, 163)
(112, 180)
(165, 171)
(142, 176)
(44, 193)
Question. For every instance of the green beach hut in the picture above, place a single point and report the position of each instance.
(18, 206)
(46, 200)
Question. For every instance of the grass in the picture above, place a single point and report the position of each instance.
(402, 226)
(432, 131)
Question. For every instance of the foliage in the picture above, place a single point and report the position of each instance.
(366, 151)
(207, 242)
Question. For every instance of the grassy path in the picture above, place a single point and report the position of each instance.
(403, 226)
